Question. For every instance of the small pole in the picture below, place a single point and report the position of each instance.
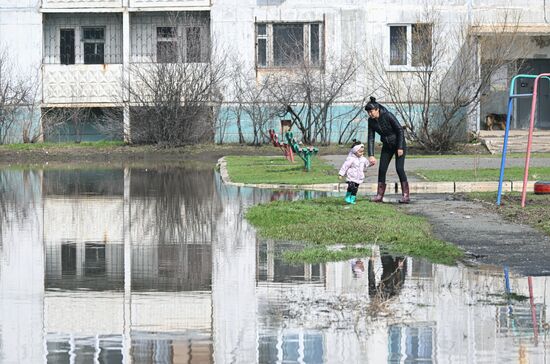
(533, 309)
(505, 147)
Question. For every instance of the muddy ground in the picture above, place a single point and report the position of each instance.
(486, 236)
(140, 153)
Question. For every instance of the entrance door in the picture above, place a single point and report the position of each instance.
(523, 106)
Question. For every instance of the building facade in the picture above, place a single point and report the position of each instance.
(80, 52)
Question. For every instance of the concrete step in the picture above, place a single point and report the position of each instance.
(517, 141)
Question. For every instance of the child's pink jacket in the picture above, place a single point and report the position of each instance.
(353, 168)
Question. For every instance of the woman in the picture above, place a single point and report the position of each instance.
(391, 133)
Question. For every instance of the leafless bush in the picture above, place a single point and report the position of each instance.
(252, 99)
(15, 95)
(171, 95)
(308, 92)
(442, 87)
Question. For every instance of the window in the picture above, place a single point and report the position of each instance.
(193, 44)
(411, 45)
(167, 45)
(94, 45)
(288, 44)
(262, 45)
(421, 45)
(66, 46)
(398, 45)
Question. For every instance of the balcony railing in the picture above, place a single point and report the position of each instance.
(82, 84)
(91, 5)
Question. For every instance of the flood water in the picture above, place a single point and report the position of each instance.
(158, 265)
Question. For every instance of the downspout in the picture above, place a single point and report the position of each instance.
(544, 11)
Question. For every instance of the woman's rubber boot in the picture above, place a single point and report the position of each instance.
(348, 197)
(405, 190)
(380, 192)
(352, 199)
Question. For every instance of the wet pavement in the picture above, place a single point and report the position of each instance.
(158, 265)
(435, 163)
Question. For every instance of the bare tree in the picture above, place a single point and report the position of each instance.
(15, 94)
(252, 99)
(172, 93)
(442, 87)
(308, 93)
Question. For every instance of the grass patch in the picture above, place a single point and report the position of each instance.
(483, 174)
(321, 254)
(257, 169)
(327, 221)
(536, 212)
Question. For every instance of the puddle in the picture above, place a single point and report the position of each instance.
(158, 265)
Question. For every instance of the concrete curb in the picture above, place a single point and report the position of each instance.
(392, 188)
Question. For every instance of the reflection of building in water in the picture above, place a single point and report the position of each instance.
(128, 269)
(114, 275)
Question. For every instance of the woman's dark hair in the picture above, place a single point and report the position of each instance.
(372, 104)
(355, 142)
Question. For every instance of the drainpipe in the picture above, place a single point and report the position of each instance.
(126, 70)
(544, 10)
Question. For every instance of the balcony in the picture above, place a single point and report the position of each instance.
(88, 5)
(117, 5)
(82, 84)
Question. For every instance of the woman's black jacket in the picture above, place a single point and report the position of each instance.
(391, 132)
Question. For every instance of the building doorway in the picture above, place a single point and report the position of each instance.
(524, 86)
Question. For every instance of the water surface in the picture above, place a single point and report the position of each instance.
(158, 265)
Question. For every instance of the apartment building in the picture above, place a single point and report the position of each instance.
(84, 49)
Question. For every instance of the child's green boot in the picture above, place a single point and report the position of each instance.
(352, 200)
(348, 197)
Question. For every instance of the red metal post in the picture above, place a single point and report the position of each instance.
(530, 137)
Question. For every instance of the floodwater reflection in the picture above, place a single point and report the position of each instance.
(158, 265)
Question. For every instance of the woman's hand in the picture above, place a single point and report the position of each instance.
(399, 152)
(372, 160)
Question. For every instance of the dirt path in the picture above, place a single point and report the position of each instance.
(484, 235)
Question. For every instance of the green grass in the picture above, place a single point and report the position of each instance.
(536, 212)
(327, 221)
(484, 174)
(257, 169)
(472, 156)
(66, 145)
(320, 254)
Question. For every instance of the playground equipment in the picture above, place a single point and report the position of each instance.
(285, 148)
(511, 98)
(542, 188)
(292, 147)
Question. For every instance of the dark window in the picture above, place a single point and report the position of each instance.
(314, 50)
(288, 44)
(167, 45)
(94, 45)
(262, 45)
(421, 44)
(68, 259)
(66, 46)
(262, 52)
(193, 38)
(94, 263)
(398, 45)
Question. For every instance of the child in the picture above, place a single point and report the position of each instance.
(353, 169)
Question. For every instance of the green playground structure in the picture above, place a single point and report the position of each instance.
(292, 147)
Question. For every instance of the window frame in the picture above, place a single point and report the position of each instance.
(174, 40)
(269, 40)
(61, 54)
(408, 66)
(96, 42)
